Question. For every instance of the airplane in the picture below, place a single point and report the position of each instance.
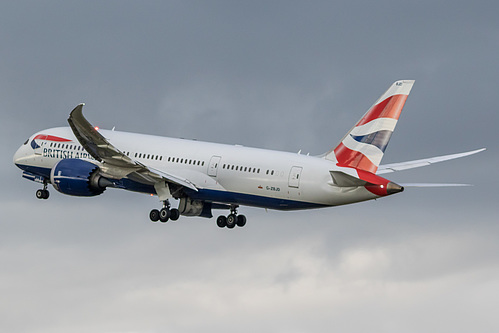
(82, 160)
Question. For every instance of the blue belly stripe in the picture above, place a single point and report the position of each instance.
(250, 200)
(216, 196)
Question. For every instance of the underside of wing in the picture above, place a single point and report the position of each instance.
(387, 168)
(114, 163)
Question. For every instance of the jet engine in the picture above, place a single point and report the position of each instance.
(189, 207)
(78, 177)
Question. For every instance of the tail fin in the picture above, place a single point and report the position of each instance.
(363, 147)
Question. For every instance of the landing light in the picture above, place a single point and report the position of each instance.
(96, 128)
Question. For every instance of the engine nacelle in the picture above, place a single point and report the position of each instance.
(78, 177)
(189, 207)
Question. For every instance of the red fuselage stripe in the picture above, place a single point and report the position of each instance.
(51, 138)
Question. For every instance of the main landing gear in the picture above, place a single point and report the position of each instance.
(165, 213)
(43, 193)
(232, 219)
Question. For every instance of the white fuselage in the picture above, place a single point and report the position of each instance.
(229, 174)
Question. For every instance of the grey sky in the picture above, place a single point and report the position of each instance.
(284, 75)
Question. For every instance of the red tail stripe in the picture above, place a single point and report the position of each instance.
(389, 108)
(353, 159)
(51, 138)
(378, 185)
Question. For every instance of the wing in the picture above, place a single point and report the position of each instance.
(432, 185)
(387, 168)
(115, 164)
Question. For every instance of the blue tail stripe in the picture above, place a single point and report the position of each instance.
(379, 139)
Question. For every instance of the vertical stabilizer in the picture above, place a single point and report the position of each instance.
(363, 147)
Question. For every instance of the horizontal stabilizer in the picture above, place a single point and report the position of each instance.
(341, 179)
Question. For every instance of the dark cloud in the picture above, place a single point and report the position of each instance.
(280, 75)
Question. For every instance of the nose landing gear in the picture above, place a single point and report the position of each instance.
(43, 193)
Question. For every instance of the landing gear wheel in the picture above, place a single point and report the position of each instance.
(174, 214)
(231, 221)
(222, 221)
(164, 215)
(42, 194)
(154, 215)
(241, 220)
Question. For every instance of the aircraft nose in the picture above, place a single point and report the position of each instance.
(20, 153)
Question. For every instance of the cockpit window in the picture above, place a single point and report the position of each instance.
(25, 143)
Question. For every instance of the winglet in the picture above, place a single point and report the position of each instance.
(84, 131)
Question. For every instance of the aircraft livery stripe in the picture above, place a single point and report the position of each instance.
(379, 139)
(370, 151)
(389, 108)
(50, 138)
(376, 125)
(350, 158)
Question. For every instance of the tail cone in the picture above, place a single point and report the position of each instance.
(392, 188)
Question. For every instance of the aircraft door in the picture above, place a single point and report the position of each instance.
(213, 166)
(294, 177)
